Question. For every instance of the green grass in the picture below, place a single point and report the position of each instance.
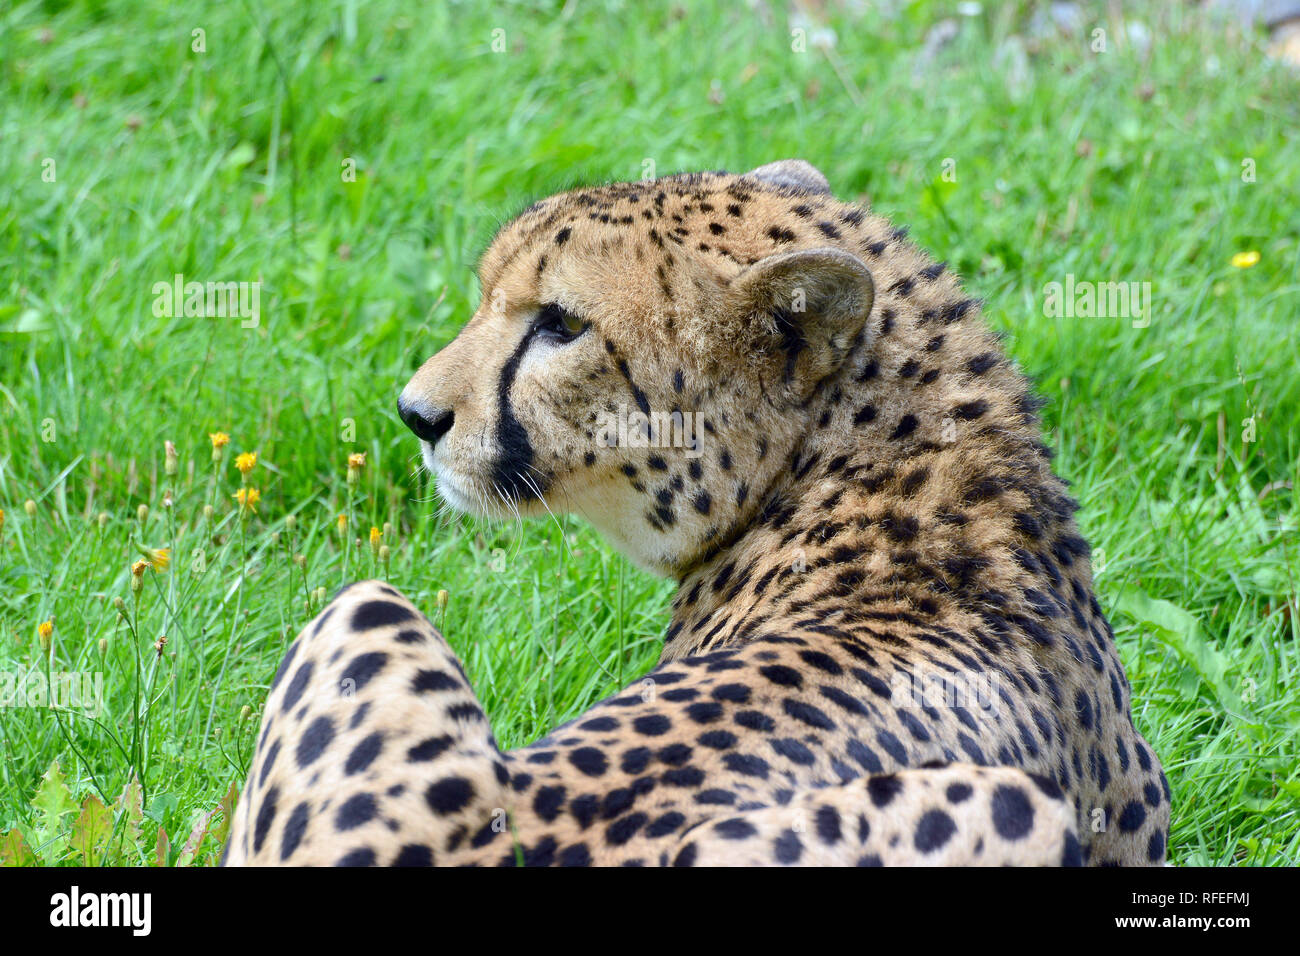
(226, 165)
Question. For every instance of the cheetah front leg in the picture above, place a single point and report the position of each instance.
(955, 815)
(373, 749)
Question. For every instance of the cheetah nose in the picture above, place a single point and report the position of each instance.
(429, 425)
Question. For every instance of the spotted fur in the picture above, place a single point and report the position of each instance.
(885, 647)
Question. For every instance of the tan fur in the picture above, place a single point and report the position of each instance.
(870, 504)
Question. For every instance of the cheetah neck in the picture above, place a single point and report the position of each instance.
(920, 494)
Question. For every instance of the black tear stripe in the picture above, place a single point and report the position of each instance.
(516, 451)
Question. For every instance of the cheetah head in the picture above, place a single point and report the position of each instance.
(643, 356)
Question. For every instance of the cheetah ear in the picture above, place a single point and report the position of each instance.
(811, 306)
(795, 173)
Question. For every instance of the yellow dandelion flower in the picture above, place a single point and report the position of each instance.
(247, 498)
(45, 629)
(246, 461)
(156, 558)
(1244, 260)
(137, 576)
(356, 462)
(343, 523)
(376, 539)
(219, 440)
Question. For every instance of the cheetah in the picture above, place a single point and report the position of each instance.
(884, 649)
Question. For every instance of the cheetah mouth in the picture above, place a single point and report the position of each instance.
(451, 488)
(455, 496)
(473, 497)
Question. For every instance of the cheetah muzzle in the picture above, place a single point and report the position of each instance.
(885, 647)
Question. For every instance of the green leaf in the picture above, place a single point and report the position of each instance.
(53, 801)
(241, 155)
(1291, 788)
(92, 830)
(1180, 630)
(162, 848)
(222, 832)
(160, 806)
(200, 830)
(129, 807)
(28, 321)
(14, 850)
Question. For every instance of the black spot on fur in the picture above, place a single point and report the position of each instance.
(1132, 817)
(906, 425)
(414, 854)
(1013, 815)
(265, 817)
(294, 828)
(357, 810)
(299, 684)
(364, 754)
(883, 788)
(314, 740)
(449, 795)
(361, 668)
(362, 856)
(934, 831)
(589, 760)
(372, 614)
(429, 748)
(434, 680)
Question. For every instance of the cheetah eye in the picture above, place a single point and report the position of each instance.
(558, 323)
